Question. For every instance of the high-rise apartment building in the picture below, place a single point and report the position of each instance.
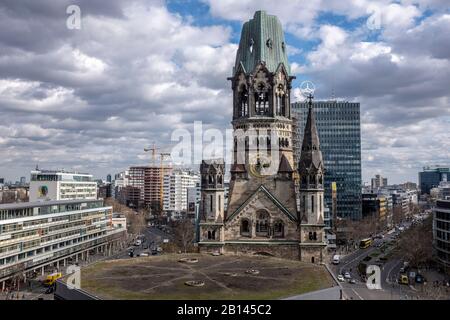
(338, 124)
(120, 181)
(176, 186)
(148, 180)
(56, 185)
(378, 182)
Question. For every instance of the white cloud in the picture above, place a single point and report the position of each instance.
(91, 99)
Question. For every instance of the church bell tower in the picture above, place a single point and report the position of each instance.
(311, 173)
(262, 124)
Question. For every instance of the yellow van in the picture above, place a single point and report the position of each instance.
(51, 278)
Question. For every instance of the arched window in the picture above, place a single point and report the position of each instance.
(310, 235)
(304, 182)
(210, 203)
(278, 229)
(261, 100)
(314, 235)
(245, 228)
(262, 223)
(312, 204)
(283, 105)
(213, 235)
(243, 102)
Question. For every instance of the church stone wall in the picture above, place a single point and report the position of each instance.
(285, 251)
(232, 229)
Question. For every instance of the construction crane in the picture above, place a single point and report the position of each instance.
(153, 149)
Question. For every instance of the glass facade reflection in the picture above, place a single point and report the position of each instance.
(339, 129)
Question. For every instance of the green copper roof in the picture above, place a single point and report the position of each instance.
(262, 39)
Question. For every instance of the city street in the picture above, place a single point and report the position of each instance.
(390, 271)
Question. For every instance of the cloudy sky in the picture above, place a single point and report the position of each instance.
(91, 99)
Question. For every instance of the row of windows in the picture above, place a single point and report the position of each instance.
(443, 245)
(443, 215)
(443, 225)
(443, 235)
(47, 209)
(63, 244)
(17, 227)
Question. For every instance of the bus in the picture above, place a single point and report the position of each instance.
(51, 278)
(365, 243)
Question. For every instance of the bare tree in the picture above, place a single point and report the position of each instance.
(415, 244)
(136, 221)
(360, 229)
(397, 215)
(184, 233)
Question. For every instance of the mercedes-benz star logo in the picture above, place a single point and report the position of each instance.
(307, 88)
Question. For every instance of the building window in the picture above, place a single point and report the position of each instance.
(262, 224)
(212, 235)
(245, 228)
(210, 203)
(278, 229)
(243, 103)
(261, 100)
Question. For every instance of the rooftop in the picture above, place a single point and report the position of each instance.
(262, 39)
(24, 205)
(62, 171)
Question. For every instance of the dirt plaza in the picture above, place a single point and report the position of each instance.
(213, 277)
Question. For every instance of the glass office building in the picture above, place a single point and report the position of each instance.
(431, 176)
(338, 123)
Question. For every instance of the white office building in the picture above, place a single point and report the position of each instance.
(44, 236)
(175, 189)
(46, 185)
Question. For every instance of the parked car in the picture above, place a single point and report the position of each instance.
(347, 275)
(336, 259)
(144, 254)
(341, 278)
(352, 281)
(419, 278)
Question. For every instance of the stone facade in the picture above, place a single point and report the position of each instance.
(261, 216)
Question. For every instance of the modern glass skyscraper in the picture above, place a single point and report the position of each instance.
(431, 176)
(338, 124)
